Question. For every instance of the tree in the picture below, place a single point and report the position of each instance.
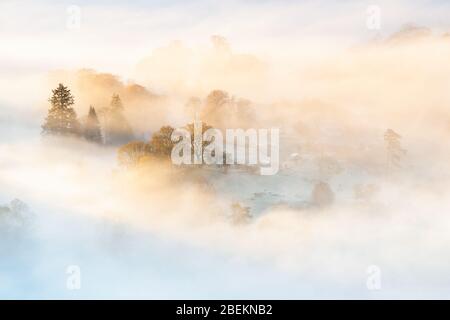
(116, 103)
(161, 142)
(220, 44)
(160, 146)
(394, 150)
(200, 143)
(217, 98)
(14, 217)
(92, 131)
(322, 194)
(221, 110)
(239, 214)
(131, 154)
(117, 128)
(213, 111)
(61, 118)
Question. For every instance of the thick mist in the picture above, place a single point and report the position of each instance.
(336, 210)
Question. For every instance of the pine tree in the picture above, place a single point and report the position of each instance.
(117, 128)
(92, 131)
(394, 149)
(322, 195)
(61, 118)
(116, 103)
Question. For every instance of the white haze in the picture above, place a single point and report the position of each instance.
(148, 233)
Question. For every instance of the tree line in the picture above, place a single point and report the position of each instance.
(62, 120)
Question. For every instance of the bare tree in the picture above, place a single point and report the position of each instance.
(130, 155)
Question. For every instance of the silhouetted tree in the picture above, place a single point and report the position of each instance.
(117, 128)
(61, 118)
(92, 131)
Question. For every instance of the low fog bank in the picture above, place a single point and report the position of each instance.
(151, 233)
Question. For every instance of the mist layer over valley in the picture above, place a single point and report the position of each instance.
(359, 207)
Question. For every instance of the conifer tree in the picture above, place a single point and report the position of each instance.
(117, 128)
(61, 118)
(394, 149)
(92, 131)
(322, 195)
